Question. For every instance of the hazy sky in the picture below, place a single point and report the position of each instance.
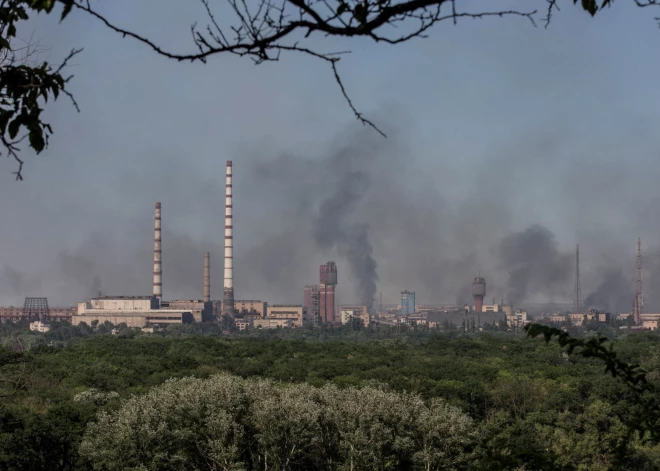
(495, 125)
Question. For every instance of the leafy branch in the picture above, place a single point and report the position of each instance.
(25, 84)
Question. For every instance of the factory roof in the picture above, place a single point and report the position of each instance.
(123, 297)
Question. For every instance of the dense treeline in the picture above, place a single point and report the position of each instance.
(226, 423)
(529, 401)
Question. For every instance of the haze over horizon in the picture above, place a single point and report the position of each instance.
(502, 138)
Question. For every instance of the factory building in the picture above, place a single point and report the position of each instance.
(350, 312)
(517, 319)
(490, 308)
(440, 319)
(407, 302)
(293, 312)
(327, 283)
(151, 311)
(272, 323)
(250, 307)
(134, 311)
(16, 313)
(312, 302)
(200, 310)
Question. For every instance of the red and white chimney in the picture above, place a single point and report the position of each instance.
(158, 270)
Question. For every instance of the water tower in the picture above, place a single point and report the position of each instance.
(478, 293)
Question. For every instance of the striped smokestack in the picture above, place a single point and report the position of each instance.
(207, 277)
(228, 294)
(158, 271)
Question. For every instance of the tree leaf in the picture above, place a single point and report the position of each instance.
(590, 6)
(37, 140)
(14, 126)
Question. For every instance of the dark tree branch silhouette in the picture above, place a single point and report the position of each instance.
(263, 29)
(26, 84)
(260, 29)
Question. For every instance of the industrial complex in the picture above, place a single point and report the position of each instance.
(318, 308)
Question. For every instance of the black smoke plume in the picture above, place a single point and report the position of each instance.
(535, 264)
(614, 294)
(333, 229)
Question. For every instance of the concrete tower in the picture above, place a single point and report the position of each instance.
(479, 293)
(207, 277)
(328, 281)
(158, 269)
(228, 294)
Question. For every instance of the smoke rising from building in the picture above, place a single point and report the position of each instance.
(387, 220)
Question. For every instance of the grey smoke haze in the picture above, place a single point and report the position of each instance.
(535, 264)
(526, 127)
(613, 294)
(351, 240)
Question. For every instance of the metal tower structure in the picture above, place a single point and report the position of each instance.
(639, 275)
(36, 308)
(577, 301)
(638, 300)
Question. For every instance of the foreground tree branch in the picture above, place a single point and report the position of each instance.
(263, 29)
(259, 29)
(266, 28)
(26, 84)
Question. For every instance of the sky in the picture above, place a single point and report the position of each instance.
(500, 135)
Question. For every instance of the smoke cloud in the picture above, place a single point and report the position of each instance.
(333, 229)
(535, 264)
(614, 294)
(366, 202)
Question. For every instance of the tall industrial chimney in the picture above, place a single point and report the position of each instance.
(228, 294)
(158, 270)
(207, 277)
(479, 293)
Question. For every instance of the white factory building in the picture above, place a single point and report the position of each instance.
(140, 311)
(148, 311)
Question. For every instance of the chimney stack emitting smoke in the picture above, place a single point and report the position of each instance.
(158, 271)
(228, 294)
(207, 277)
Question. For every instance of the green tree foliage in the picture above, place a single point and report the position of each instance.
(532, 404)
(26, 84)
(225, 422)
